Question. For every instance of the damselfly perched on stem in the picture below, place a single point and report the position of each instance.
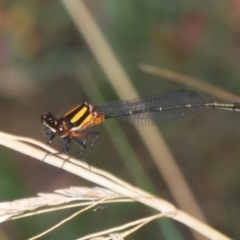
(175, 105)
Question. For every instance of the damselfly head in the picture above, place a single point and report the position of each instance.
(49, 121)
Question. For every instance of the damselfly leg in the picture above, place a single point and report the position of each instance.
(84, 140)
(90, 137)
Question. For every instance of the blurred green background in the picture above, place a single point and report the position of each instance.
(44, 62)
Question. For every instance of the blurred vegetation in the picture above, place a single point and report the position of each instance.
(44, 59)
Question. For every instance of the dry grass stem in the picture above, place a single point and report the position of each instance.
(117, 186)
(66, 219)
(95, 175)
(198, 84)
(17, 208)
(133, 226)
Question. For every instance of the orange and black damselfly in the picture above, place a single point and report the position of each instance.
(165, 107)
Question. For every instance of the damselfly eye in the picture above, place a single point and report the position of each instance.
(46, 116)
(49, 121)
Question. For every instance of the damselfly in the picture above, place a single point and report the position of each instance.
(74, 124)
